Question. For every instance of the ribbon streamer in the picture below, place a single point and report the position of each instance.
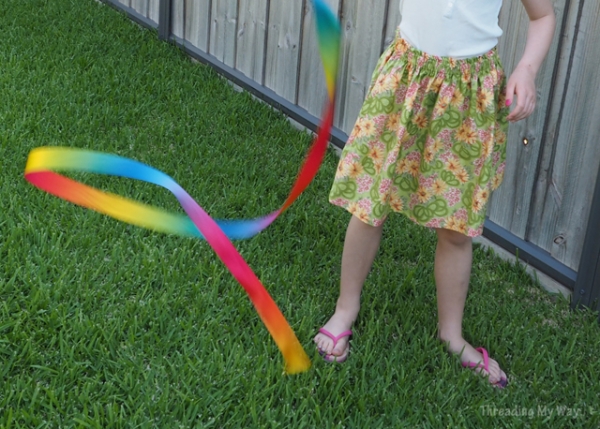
(198, 223)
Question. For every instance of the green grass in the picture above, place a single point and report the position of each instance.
(106, 325)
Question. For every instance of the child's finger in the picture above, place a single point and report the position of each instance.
(510, 92)
(525, 107)
(516, 105)
(517, 110)
(521, 109)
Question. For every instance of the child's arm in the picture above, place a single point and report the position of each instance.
(522, 81)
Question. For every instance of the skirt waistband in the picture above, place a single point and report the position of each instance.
(402, 46)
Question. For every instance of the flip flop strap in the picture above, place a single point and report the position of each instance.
(486, 358)
(334, 338)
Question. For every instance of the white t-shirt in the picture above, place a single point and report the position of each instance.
(451, 28)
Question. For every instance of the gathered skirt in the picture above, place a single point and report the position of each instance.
(429, 142)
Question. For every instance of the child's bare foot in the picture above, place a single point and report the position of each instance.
(338, 324)
(468, 354)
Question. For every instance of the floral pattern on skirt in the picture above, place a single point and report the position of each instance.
(430, 141)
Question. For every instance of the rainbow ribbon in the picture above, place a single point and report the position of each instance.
(198, 223)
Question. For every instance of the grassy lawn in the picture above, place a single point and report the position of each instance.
(106, 325)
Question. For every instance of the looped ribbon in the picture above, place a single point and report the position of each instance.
(198, 223)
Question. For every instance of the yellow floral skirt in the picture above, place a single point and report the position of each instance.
(430, 141)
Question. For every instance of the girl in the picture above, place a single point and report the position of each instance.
(430, 142)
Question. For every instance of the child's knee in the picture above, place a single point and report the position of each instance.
(453, 238)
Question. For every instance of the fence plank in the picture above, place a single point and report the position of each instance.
(140, 6)
(223, 30)
(251, 38)
(178, 12)
(576, 159)
(154, 10)
(362, 25)
(197, 23)
(511, 203)
(283, 48)
(546, 198)
(312, 91)
(392, 22)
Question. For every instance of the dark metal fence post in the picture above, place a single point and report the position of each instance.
(587, 285)
(164, 19)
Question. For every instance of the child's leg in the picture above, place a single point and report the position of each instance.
(453, 258)
(360, 247)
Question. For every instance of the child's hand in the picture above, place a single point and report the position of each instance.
(521, 84)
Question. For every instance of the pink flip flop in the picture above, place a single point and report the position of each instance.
(335, 339)
(486, 361)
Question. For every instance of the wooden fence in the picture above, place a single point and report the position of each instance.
(553, 157)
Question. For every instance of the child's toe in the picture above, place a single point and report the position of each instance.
(323, 344)
(496, 374)
(338, 350)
